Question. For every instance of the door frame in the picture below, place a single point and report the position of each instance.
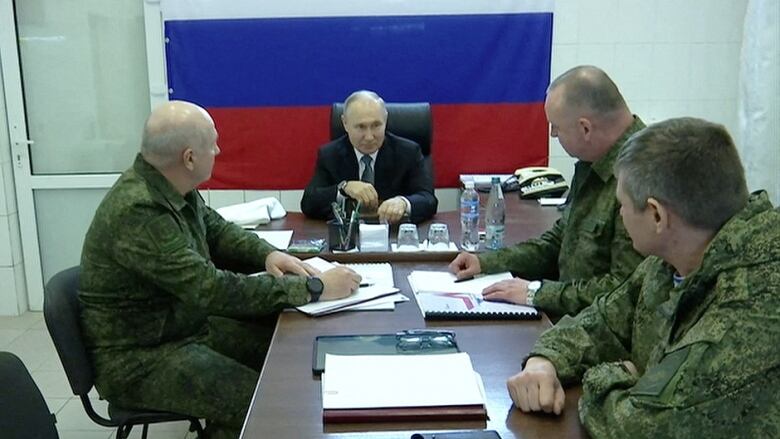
(25, 182)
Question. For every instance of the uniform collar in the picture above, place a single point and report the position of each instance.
(603, 166)
(161, 189)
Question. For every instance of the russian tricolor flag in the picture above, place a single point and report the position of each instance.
(268, 71)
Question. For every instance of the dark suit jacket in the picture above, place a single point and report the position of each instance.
(399, 170)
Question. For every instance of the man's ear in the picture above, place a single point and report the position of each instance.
(659, 213)
(344, 121)
(586, 127)
(188, 158)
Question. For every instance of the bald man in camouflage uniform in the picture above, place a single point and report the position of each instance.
(168, 325)
(687, 346)
(587, 252)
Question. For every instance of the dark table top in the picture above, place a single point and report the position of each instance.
(288, 404)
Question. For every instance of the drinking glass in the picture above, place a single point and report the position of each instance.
(438, 237)
(408, 239)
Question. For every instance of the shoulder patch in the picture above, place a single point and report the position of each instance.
(166, 233)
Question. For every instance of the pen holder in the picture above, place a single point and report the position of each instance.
(340, 237)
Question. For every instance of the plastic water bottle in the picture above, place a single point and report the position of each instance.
(494, 219)
(469, 217)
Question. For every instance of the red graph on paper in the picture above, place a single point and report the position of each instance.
(469, 301)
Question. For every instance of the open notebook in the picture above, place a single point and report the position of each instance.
(440, 297)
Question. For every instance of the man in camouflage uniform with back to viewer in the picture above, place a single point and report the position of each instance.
(688, 346)
(170, 317)
(587, 252)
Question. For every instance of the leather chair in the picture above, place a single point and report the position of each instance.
(23, 411)
(61, 310)
(412, 121)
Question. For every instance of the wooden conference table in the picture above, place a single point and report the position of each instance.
(287, 401)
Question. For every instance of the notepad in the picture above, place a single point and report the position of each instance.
(440, 298)
(381, 276)
(370, 388)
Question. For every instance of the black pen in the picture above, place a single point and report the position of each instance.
(366, 284)
(464, 279)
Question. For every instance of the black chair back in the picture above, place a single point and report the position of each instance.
(23, 411)
(62, 310)
(410, 120)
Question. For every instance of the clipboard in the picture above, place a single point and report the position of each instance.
(409, 342)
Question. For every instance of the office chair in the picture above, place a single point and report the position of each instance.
(411, 121)
(23, 411)
(61, 310)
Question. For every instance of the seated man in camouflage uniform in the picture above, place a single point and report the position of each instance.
(587, 252)
(687, 346)
(168, 326)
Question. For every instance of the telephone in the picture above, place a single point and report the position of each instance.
(536, 182)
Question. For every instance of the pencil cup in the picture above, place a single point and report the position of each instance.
(340, 237)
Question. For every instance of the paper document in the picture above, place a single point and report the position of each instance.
(380, 274)
(277, 238)
(551, 201)
(445, 281)
(440, 297)
(382, 381)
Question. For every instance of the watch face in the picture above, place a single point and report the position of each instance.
(314, 285)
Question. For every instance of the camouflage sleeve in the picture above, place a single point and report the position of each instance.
(599, 333)
(231, 243)
(719, 380)
(535, 259)
(153, 246)
(561, 298)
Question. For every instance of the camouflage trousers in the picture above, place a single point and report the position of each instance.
(213, 377)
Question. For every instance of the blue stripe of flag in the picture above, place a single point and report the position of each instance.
(442, 59)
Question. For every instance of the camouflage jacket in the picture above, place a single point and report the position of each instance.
(587, 252)
(152, 270)
(707, 351)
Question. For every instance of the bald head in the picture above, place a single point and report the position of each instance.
(173, 127)
(588, 91)
(364, 119)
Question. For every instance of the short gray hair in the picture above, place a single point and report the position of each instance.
(362, 95)
(689, 165)
(588, 87)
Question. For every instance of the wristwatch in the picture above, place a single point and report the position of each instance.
(314, 286)
(341, 187)
(532, 288)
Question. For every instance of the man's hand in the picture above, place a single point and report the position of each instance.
(278, 263)
(465, 265)
(392, 210)
(363, 192)
(339, 283)
(537, 387)
(509, 290)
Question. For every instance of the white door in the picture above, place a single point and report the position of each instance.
(76, 83)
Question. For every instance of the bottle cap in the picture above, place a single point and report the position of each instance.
(468, 184)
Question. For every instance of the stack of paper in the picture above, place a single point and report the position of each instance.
(368, 388)
(277, 238)
(380, 294)
(440, 297)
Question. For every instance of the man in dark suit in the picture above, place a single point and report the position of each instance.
(386, 173)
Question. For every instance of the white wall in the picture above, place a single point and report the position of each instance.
(668, 57)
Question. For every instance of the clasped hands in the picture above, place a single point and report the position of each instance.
(391, 210)
(337, 283)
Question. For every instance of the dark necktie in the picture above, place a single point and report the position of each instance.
(368, 172)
